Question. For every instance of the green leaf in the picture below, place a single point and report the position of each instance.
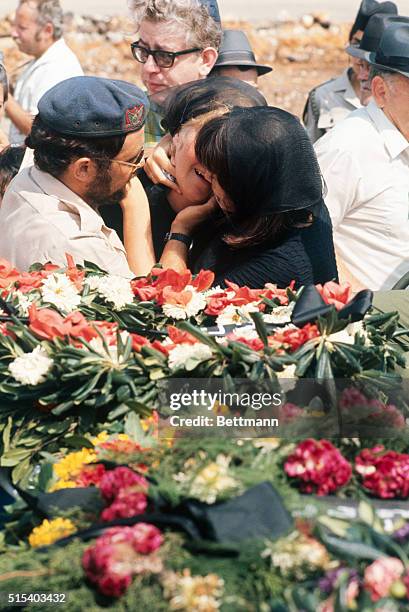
(6, 435)
(350, 550)
(260, 326)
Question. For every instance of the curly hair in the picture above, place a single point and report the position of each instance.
(54, 152)
(49, 11)
(201, 29)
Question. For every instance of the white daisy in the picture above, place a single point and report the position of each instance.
(114, 289)
(192, 308)
(188, 356)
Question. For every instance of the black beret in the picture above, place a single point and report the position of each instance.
(93, 107)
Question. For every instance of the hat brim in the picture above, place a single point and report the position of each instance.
(371, 60)
(356, 52)
(261, 69)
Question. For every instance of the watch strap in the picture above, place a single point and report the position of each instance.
(187, 240)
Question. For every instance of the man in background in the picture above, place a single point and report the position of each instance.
(37, 30)
(178, 42)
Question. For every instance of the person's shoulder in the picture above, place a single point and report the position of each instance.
(353, 133)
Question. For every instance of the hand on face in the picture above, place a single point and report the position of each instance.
(188, 219)
(159, 163)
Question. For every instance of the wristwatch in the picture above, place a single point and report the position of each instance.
(187, 240)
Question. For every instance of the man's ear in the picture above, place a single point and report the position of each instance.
(209, 57)
(48, 30)
(379, 91)
(83, 169)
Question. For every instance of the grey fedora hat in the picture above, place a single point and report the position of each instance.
(372, 7)
(373, 32)
(236, 50)
(393, 50)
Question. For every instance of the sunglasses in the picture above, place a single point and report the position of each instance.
(163, 59)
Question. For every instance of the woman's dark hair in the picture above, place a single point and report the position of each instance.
(10, 162)
(199, 97)
(53, 152)
(4, 83)
(265, 163)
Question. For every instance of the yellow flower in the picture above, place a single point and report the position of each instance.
(100, 438)
(71, 465)
(51, 531)
(193, 593)
(212, 480)
(62, 484)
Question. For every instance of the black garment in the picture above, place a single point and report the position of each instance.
(304, 255)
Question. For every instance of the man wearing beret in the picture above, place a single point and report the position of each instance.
(88, 143)
(178, 42)
(365, 164)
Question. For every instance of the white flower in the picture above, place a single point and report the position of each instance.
(112, 356)
(181, 311)
(114, 289)
(188, 356)
(287, 377)
(31, 368)
(24, 301)
(234, 315)
(212, 480)
(212, 291)
(280, 315)
(248, 333)
(57, 289)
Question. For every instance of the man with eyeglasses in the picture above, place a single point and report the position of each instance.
(178, 42)
(88, 143)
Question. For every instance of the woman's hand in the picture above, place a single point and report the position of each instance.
(159, 163)
(188, 219)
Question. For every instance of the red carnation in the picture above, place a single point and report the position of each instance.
(120, 479)
(318, 467)
(126, 504)
(294, 337)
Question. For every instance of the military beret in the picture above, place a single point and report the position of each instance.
(93, 107)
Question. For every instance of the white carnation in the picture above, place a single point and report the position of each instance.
(181, 311)
(194, 353)
(31, 368)
(114, 289)
(57, 289)
(234, 315)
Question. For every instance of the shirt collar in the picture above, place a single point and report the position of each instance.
(394, 140)
(343, 86)
(51, 51)
(90, 220)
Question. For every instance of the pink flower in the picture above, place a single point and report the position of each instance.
(293, 338)
(290, 412)
(380, 575)
(116, 556)
(318, 467)
(333, 293)
(119, 480)
(125, 505)
(384, 473)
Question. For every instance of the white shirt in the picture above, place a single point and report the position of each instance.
(42, 220)
(365, 163)
(55, 65)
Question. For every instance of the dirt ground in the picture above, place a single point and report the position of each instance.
(302, 54)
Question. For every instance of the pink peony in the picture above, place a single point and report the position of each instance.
(318, 467)
(380, 575)
(125, 505)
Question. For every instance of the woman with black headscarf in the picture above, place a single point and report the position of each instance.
(266, 180)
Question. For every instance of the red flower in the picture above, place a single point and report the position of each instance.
(293, 338)
(138, 342)
(120, 479)
(318, 467)
(255, 343)
(143, 289)
(384, 473)
(180, 337)
(47, 323)
(90, 475)
(243, 295)
(216, 304)
(333, 293)
(8, 274)
(125, 505)
(170, 278)
(79, 327)
(108, 330)
(204, 280)
(75, 275)
(169, 296)
(272, 292)
(290, 412)
(115, 556)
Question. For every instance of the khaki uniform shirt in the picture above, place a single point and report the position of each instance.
(328, 104)
(41, 220)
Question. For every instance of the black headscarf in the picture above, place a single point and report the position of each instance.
(182, 103)
(271, 161)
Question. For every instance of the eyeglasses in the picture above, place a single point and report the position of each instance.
(163, 59)
(138, 162)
